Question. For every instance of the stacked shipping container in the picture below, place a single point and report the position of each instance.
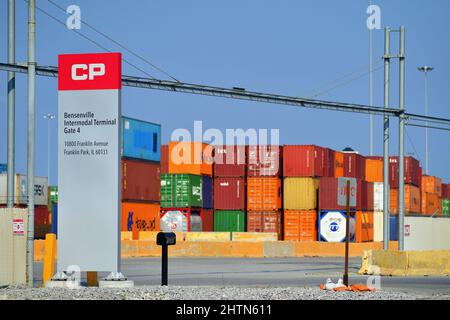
(42, 216)
(431, 196)
(141, 154)
(446, 200)
(264, 195)
(302, 166)
(229, 188)
(187, 187)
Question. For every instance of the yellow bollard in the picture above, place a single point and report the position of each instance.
(92, 279)
(49, 258)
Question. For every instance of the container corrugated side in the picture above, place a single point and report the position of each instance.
(300, 225)
(265, 222)
(229, 161)
(300, 193)
(181, 191)
(207, 216)
(446, 208)
(229, 221)
(263, 194)
(141, 140)
(378, 196)
(305, 161)
(207, 189)
(191, 158)
(229, 193)
(137, 216)
(264, 160)
(141, 181)
(354, 166)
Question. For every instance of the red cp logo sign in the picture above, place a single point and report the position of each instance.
(82, 72)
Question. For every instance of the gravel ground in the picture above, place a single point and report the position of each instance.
(199, 293)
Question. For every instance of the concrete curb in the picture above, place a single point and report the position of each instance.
(406, 263)
(233, 249)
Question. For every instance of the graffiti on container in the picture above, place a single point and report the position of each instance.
(146, 225)
(130, 221)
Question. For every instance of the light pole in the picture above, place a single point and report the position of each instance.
(425, 70)
(49, 117)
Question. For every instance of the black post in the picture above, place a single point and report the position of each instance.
(164, 265)
(347, 233)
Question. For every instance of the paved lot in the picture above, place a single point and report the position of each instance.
(280, 272)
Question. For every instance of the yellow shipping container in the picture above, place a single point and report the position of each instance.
(300, 193)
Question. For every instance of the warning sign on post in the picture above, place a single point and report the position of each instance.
(342, 191)
(18, 227)
(89, 91)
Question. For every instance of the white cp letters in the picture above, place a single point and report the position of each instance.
(93, 70)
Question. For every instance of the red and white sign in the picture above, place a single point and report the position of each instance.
(18, 227)
(342, 191)
(91, 71)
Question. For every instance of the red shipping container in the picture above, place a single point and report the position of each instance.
(446, 191)
(265, 222)
(329, 163)
(304, 161)
(367, 200)
(229, 193)
(42, 223)
(207, 217)
(164, 159)
(229, 161)
(354, 166)
(141, 181)
(413, 172)
(264, 160)
(328, 195)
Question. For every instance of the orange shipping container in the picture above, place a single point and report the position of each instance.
(431, 204)
(338, 164)
(374, 170)
(412, 200)
(190, 157)
(140, 217)
(364, 226)
(432, 185)
(300, 225)
(263, 194)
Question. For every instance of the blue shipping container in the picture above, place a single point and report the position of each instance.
(54, 228)
(332, 226)
(141, 140)
(393, 228)
(207, 192)
(3, 168)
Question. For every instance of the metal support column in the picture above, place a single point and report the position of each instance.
(31, 137)
(401, 157)
(387, 35)
(11, 103)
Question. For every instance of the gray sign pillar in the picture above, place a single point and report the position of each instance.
(401, 158)
(89, 178)
(11, 102)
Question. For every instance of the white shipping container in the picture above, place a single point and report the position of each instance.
(20, 190)
(378, 226)
(378, 196)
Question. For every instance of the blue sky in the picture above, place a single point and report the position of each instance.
(285, 47)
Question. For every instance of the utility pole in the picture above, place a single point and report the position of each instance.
(425, 70)
(370, 89)
(11, 103)
(49, 117)
(387, 35)
(401, 155)
(31, 137)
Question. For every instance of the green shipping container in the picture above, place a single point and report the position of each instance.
(229, 221)
(52, 196)
(181, 191)
(446, 207)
